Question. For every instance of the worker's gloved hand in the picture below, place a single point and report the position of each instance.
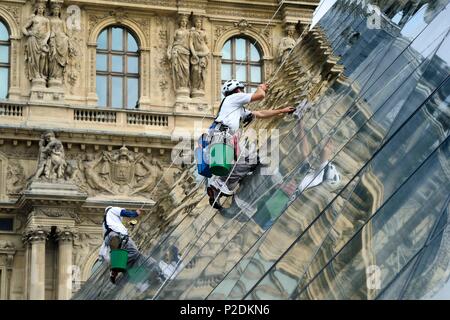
(139, 212)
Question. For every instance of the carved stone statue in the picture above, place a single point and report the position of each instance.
(178, 54)
(51, 162)
(199, 60)
(58, 47)
(37, 31)
(287, 43)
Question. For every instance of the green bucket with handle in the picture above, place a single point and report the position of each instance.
(221, 159)
(119, 260)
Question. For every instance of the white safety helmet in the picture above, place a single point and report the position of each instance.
(231, 85)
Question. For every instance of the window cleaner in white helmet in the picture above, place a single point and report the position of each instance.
(115, 236)
(230, 115)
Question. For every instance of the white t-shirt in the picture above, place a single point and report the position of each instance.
(114, 221)
(233, 110)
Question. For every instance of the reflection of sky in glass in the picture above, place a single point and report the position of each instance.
(321, 10)
(444, 293)
(431, 34)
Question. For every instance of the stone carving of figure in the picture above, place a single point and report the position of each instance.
(58, 47)
(199, 59)
(51, 163)
(15, 178)
(93, 179)
(147, 181)
(73, 21)
(178, 54)
(37, 31)
(286, 44)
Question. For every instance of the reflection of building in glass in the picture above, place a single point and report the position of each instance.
(380, 115)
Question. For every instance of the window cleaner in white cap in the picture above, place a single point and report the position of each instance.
(231, 113)
(115, 236)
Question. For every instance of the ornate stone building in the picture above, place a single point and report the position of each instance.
(91, 94)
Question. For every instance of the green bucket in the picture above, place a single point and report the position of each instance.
(221, 159)
(119, 260)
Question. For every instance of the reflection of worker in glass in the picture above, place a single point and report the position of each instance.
(305, 178)
(171, 265)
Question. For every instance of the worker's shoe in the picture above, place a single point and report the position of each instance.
(214, 196)
(112, 276)
(222, 187)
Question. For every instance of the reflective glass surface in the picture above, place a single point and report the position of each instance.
(132, 44)
(4, 54)
(117, 39)
(358, 206)
(4, 80)
(226, 50)
(102, 41)
(133, 89)
(117, 68)
(101, 84)
(102, 62)
(117, 92)
(240, 49)
(133, 64)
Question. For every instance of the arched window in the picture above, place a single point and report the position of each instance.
(117, 69)
(241, 60)
(4, 60)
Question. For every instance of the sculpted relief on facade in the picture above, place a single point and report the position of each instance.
(51, 45)
(188, 54)
(118, 172)
(287, 43)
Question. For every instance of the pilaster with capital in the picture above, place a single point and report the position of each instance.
(37, 238)
(65, 239)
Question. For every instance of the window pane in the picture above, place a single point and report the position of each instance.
(117, 92)
(3, 82)
(6, 224)
(101, 90)
(254, 54)
(117, 39)
(4, 54)
(240, 49)
(240, 73)
(133, 63)
(255, 73)
(102, 62)
(132, 44)
(226, 71)
(102, 41)
(226, 51)
(251, 89)
(133, 89)
(4, 34)
(117, 63)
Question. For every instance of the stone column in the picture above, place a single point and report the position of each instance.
(65, 248)
(37, 239)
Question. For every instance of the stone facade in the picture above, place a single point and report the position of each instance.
(63, 158)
